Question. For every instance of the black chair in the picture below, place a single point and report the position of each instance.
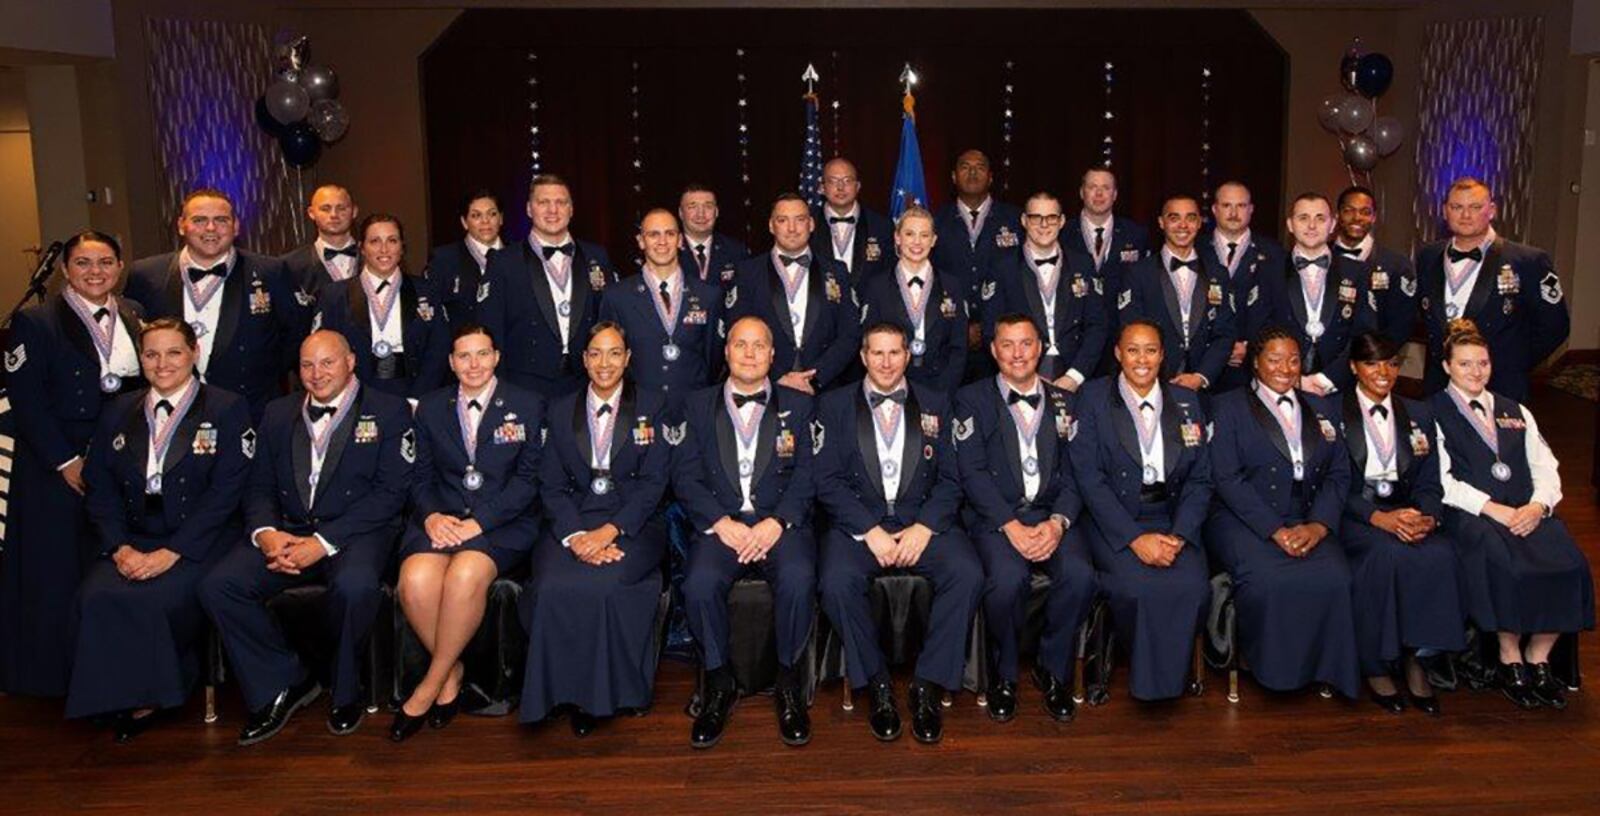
(299, 611)
(901, 603)
(753, 648)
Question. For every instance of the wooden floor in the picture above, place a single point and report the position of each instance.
(1268, 754)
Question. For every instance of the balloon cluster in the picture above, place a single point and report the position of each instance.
(1364, 136)
(301, 109)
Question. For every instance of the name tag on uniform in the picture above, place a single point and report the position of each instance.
(366, 430)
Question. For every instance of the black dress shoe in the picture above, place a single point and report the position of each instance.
(1547, 688)
(1428, 705)
(441, 714)
(583, 723)
(405, 726)
(1517, 685)
(794, 722)
(1002, 698)
(267, 721)
(345, 719)
(927, 715)
(1392, 703)
(715, 711)
(885, 717)
(128, 726)
(1057, 695)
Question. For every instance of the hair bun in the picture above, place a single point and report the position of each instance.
(1460, 325)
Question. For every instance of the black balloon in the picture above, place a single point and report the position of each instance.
(264, 119)
(300, 144)
(1373, 75)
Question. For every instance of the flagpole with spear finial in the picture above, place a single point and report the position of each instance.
(810, 78)
(908, 78)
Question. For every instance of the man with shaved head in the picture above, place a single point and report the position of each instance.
(672, 318)
(1232, 247)
(332, 468)
(334, 255)
(860, 238)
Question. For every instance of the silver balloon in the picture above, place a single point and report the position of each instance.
(1387, 133)
(1328, 113)
(320, 82)
(1355, 114)
(287, 102)
(1360, 153)
(329, 119)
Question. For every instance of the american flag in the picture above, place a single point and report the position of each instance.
(811, 156)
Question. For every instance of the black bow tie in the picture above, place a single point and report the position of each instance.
(1175, 264)
(791, 260)
(329, 253)
(759, 398)
(916, 281)
(1477, 406)
(196, 274)
(474, 405)
(550, 251)
(1283, 399)
(605, 408)
(1457, 256)
(897, 396)
(1323, 261)
(1352, 252)
(841, 219)
(1379, 410)
(1015, 397)
(1050, 261)
(101, 314)
(975, 214)
(317, 412)
(1146, 406)
(163, 405)
(382, 285)
(700, 249)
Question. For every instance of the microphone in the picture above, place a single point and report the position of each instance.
(47, 263)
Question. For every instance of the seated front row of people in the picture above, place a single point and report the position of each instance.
(1340, 532)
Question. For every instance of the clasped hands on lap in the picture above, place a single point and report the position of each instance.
(1521, 521)
(1406, 523)
(141, 566)
(750, 542)
(902, 549)
(289, 554)
(1035, 542)
(1298, 541)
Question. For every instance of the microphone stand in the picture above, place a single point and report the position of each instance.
(37, 282)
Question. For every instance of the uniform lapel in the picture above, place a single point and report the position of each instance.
(1488, 275)
(1356, 432)
(1169, 293)
(174, 286)
(410, 324)
(780, 300)
(766, 438)
(816, 299)
(235, 293)
(77, 333)
(1171, 419)
(300, 458)
(1269, 423)
(338, 442)
(1122, 423)
(867, 443)
(1008, 438)
(533, 262)
(911, 448)
(727, 444)
(578, 279)
(1402, 435)
(580, 431)
(183, 438)
(624, 425)
(360, 316)
(136, 438)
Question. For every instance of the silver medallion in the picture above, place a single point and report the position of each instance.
(1384, 489)
(601, 485)
(472, 479)
(152, 485)
(382, 349)
(670, 352)
(918, 347)
(110, 383)
(1299, 471)
(890, 468)
(1030, 466)
(199, 328)
(746, 467)
(1501, 471)
(1452, 311)
(1149, 474)
(1315, 329)
(564, 308)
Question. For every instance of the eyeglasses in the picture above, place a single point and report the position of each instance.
(1035, 219)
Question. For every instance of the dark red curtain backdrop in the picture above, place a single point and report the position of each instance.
(476, 95)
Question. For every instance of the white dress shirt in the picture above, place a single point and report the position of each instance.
(319, 427)
(1286, 411)
(391, 331)
(211, 314)
(975, 223)
(1363, 248)
(341, 267)
(919, 323)
(153, 464)
(843, 234)
(124, 359)
(1088, 226)
(1156, 457)
(797, 307)
(1026, 447)
(1376, 470)
(1314, 310)
(560, 294)
(747, 453)
(1220, 243)
(480, 251)
(1470, 267)
(889, 452)
(1542, 466)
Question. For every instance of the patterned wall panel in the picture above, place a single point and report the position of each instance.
(205, 77)
(1475, 117)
